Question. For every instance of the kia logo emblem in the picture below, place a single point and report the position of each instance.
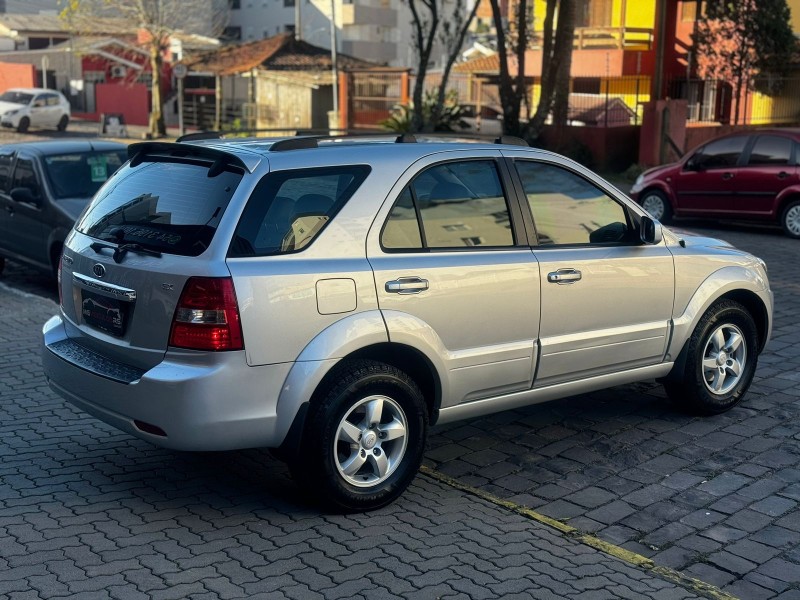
(99, 270)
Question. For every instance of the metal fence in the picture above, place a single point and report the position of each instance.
(593, 101)
(766, 101)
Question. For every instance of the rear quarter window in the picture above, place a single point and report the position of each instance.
(170, 206)
(288, 209)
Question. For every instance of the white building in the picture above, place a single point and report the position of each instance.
(367, 29)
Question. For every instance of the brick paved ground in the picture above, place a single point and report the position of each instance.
(89, 512)
(714, 497)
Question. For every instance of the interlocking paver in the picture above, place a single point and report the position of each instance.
(95, 494)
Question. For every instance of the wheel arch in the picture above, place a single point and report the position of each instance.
(788, 196)
(741, 283)
(658, 186)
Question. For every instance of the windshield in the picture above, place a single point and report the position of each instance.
(16, 97)
(81, 174)
(169, 206)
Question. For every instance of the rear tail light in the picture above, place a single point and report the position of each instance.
(207, 316)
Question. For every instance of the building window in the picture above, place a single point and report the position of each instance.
(236, 4)
(288, 3)
(594, 13)
(232, 33)
(689, 10)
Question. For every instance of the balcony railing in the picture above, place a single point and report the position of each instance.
(616, 38)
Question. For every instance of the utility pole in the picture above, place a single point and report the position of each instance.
(298, 20)
(334, 66)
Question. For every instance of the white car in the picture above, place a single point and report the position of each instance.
(22, 107)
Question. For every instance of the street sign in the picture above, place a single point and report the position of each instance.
(180, 71)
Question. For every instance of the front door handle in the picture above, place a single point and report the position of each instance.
(10, 209)
(727, 176)
(564, 276)
(407, 285)
(783, 175)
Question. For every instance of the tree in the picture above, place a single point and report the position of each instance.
(157, 21)
(430, 23)
(736, 40)
(558, 33)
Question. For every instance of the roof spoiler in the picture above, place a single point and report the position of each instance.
(137, 153)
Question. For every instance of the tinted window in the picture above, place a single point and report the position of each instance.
(5, 170)
(720, 154)
(771, 150)
(402, 228)
(81, 174)
(288, 209)
(567, 209)
(25, 176)
(460, 204)
(173, 207)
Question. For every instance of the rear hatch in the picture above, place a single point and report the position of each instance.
(145, 234)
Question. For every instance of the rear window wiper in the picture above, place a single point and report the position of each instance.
(122, 249)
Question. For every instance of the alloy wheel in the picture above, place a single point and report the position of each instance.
(724, 359)
(370, 441)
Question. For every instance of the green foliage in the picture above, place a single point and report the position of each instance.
(451, 116)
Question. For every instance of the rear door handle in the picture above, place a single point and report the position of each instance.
(407, 285)
(727, 176)
(564, 276)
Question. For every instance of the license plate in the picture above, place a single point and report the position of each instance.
(101, 312)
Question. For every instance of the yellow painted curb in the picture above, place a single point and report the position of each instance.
(695, 585)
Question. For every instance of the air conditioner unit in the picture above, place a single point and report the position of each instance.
(118, 72)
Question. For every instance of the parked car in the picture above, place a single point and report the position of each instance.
(44, 186)
(22, 108)
(333, 299)
(750, 175)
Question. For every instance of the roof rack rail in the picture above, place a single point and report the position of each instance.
(200, 135)
(510, 140)
(297, 143)
(406, 138)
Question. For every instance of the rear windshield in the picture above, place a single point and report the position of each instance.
(288, 209)
(81, 174)
(172, 207)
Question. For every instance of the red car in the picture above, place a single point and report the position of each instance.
(749, 175)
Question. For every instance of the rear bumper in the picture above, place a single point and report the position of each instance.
(201, 400)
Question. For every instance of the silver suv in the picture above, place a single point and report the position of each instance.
(333, 298)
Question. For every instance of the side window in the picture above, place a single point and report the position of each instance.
(5, 171)
(39, 101)
(567, 209)
(402, 227)
(457, 205)
(771, 150)
(25, 176)
(53, 100)
(720, 154)
(288, 209)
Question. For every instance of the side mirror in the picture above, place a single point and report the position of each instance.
(24, 195)
(650, 231)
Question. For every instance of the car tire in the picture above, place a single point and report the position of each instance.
(721, 358)
(790, 219)
(345, 460)
(24, 123)
(657, 204)
(62, 123)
